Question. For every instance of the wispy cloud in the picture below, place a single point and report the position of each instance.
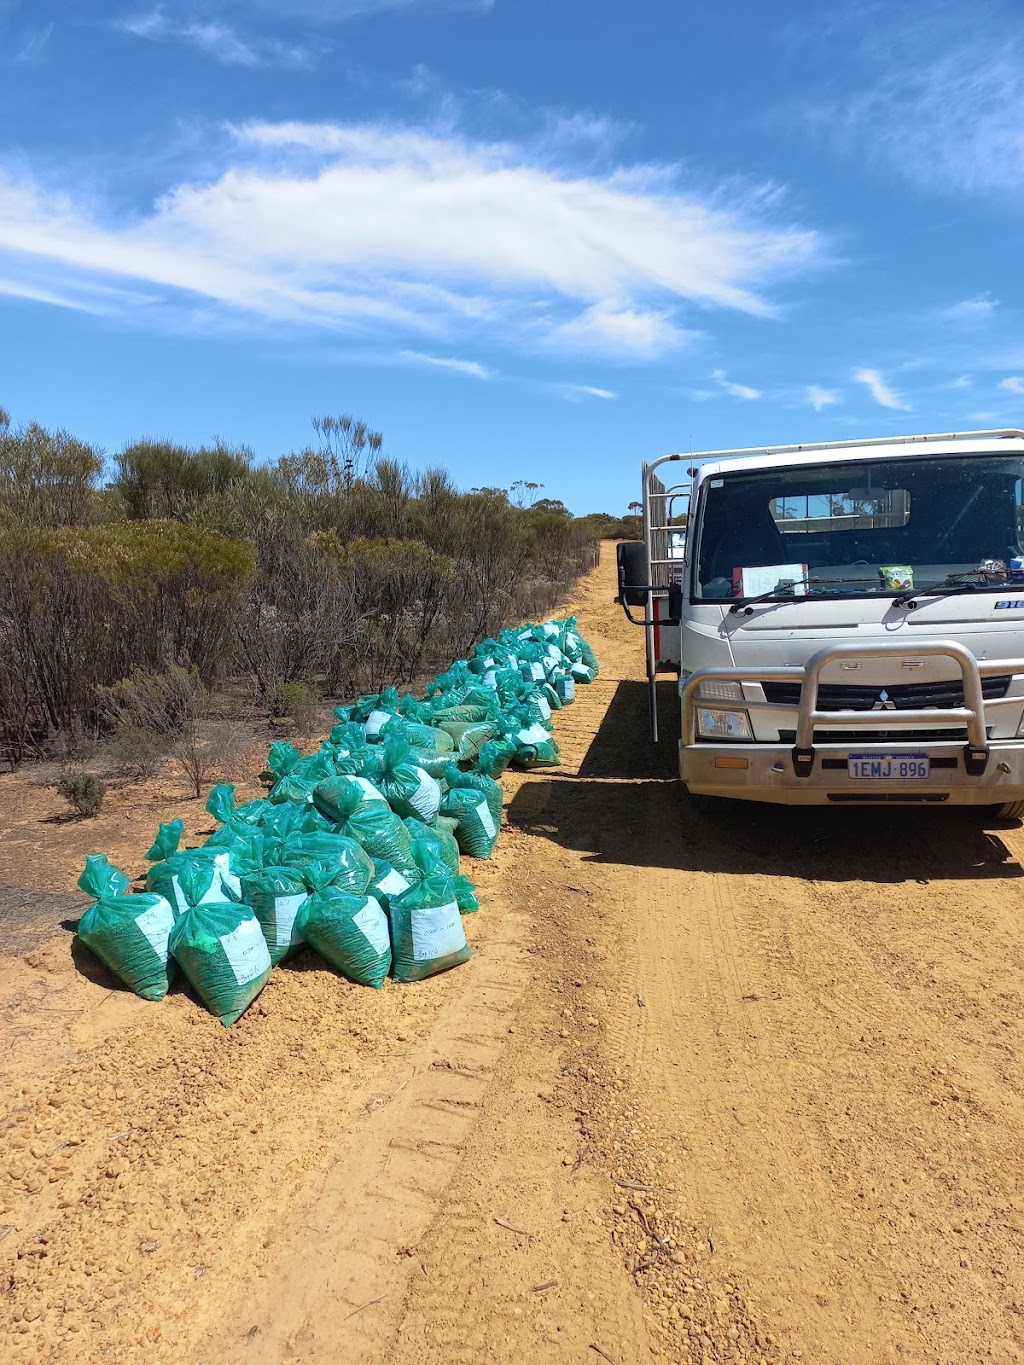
(942, 102)
(575, 393)
(820, 398)
(733, 389)
(472, 368)
(360, 226)
(880, 390)
(213, 38)
(32, 48)
(962, 381)
(971, 310)
(1012, 384)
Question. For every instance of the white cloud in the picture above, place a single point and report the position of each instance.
(982, 416)
(607, 328)
(1012, 384)
(944, 102)
(880, 390)
(733, 389)
(971, 310)
(357, 226)
(820, 398)
(467, 367)
(32, 49)
(213, 38)
(18, 290)
(963, 381)
(576, 392)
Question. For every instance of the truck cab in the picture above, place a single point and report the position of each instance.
(847, 619)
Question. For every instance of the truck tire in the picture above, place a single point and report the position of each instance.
(1010, 810)
(631, 556)
(709, 805)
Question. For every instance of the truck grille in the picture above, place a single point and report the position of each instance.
(904, 696)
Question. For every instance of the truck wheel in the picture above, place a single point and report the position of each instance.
(710, 805)
(1010, 810)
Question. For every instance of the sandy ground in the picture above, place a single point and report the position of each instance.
(741, 1089)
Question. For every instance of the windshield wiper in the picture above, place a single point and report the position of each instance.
(952, 586)
(786, 594)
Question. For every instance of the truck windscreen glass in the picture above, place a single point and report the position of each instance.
(863, 527)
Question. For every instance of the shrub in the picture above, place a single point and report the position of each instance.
(83, 791)
(298, 700)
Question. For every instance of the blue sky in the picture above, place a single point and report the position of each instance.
(525, 240)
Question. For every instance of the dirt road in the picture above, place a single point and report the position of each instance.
(710, 1090)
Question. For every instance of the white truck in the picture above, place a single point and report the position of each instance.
(847, 619)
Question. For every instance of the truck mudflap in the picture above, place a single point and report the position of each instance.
(775, 772)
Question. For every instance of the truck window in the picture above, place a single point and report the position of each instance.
(847, 528)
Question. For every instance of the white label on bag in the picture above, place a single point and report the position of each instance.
(437, 932)
(486, 819)
(222, 863)
(524, 634)
(555, 652)
(536, 734)
(246, 951)
(550, 628)
(544, 707)
(394, 883)
(373, 924)
(537, 671)
(572, 640)
(179, 896)
(490, 678)
(376, 721)
(285, 910)
(370, 792)
(156, 923)
(426, 799)
(569, 689)
(513, 661)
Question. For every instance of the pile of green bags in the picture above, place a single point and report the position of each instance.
(355, 850)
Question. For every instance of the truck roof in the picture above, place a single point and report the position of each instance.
(713, 462)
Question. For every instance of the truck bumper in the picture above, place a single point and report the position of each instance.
(765, 772)
(809, 772)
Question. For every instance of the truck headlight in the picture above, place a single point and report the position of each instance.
(713, 723)
(713, 690)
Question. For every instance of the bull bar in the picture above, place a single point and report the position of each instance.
(971, 715)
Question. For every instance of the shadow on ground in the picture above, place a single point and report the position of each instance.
(627, 807)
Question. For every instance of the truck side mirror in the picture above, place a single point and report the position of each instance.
(631, 558)
(675, 601)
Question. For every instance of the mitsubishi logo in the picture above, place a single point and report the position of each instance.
(884, 702)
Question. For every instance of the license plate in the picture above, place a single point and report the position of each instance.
(888, 767)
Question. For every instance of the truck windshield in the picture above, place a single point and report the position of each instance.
(863, 527)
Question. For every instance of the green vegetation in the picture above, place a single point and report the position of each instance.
(333, 571)
(84, 792)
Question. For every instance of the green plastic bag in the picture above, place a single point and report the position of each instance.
(469, 737)
(338, 797)
(440, 839)
(495, 756)
(382, 834)
(388, 882)
(220, 947)
(351, 866)
(475, 801)
(164, 879)
(351, 932)
(275, 895)
(127, 933)
(168, 837)
(535, 748)
(426, 929)
(407, 789)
